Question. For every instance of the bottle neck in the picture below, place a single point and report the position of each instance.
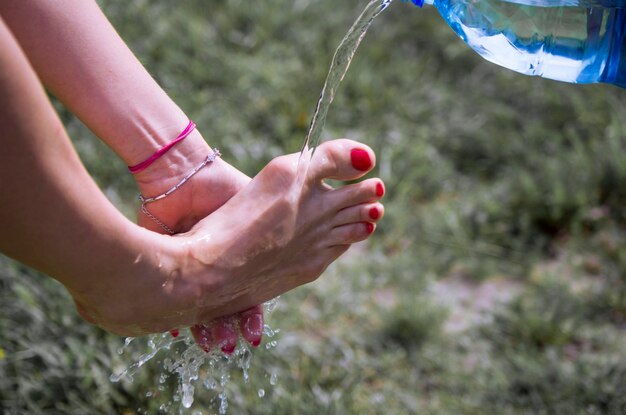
(420, 3)
(615, 72)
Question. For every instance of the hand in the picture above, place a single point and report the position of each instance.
(204, 193)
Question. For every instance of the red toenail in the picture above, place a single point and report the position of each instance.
(174, 333)
(370, 227)
(374, 213)
(380, 190)
(360, 159)
(256, 342)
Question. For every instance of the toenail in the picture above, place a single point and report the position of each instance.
(374, 213)
(174, 333)
(255, 342)
(369, 227)
(380, 189)
(360, 159)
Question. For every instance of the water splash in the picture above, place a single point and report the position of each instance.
(194, 367)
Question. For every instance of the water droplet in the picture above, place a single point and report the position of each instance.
(223, 403)
(270, 305)
(210, 384)
(274, 379)
(261, 393)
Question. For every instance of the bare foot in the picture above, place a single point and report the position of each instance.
(278, 232)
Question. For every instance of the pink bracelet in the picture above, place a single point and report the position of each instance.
(147, 162)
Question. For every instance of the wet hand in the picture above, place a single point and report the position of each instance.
(208, 190)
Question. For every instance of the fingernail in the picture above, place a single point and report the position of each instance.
(380, 189)
(174, 333)
(374, 213)
(369, 227)
(251, 326)
(360, 159)
(228, 350)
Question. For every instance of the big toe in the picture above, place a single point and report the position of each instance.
(341, 159)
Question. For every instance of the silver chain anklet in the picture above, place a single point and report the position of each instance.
(145, 200)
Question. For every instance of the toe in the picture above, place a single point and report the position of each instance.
(341, 160)
(366, 212)
(367, 191)
(351, 233)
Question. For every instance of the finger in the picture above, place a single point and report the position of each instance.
(220, 333)
(203, 335)
(225, 331)
(341, 160)
(251, 325)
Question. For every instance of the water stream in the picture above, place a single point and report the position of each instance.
(338, 67)
(193, 366)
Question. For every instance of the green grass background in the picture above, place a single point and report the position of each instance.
(499, 187)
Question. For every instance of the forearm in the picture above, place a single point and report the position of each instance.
(82, 60)
(52, 215)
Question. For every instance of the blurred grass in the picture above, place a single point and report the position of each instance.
(490, 176)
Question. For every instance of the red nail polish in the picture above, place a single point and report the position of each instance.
(255, 342)
(374, 213)
(174, 333)
(360, 159)
(228, 350)
(380, 189)
(369, 227)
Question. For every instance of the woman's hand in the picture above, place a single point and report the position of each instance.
(204, 193)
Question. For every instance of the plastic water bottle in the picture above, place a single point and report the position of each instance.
(577, 41)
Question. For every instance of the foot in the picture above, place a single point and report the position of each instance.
(280, 231)
(284, 229)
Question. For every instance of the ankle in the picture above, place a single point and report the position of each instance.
(170, 168)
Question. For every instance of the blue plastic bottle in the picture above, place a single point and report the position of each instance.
(577, 41)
